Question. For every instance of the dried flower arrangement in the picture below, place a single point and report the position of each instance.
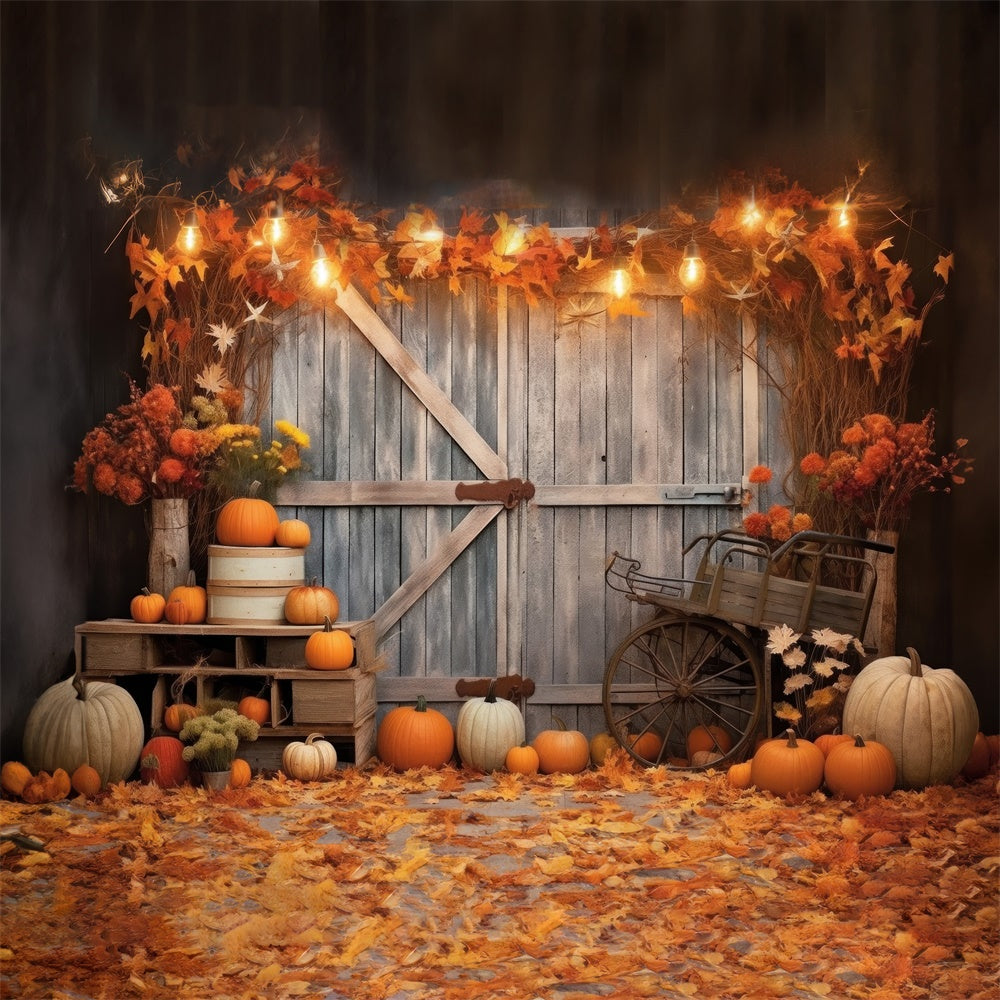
(819, 677)
(214, 739)
(242, 459)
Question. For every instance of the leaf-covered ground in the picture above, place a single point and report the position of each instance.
(446, 884)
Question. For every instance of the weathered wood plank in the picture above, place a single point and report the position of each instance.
(425, 388)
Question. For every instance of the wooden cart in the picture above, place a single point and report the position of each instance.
(700, 660)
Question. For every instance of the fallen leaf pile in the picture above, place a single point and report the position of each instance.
(618, 882)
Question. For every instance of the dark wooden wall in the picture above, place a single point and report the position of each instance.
(622, 104)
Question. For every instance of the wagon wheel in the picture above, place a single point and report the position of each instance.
(677, 673)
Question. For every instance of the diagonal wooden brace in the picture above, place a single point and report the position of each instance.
(509, 492)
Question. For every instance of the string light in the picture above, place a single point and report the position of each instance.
(432, 234)
(843, 218)
(692, 270)
(322, 272)
(621, 280)
(274, 227)
(752, 217)
(189, 239)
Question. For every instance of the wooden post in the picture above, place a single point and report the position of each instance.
(168, 545)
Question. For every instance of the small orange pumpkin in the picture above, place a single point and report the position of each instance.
(331, 649)
(828, 741)
(195, 598)
(258, 709)
(522, 760)
(174, 716)
(311, 604)
(561, 750)
(292, 534)
(415, 736)
(788, 766)
(860, 768)
(14, 776)
(249, 521)
(240, 773)
(86, 781)
(177, 612)
(147, 607)
(646, 745)
(711, 737)
(600, 744)
(738, 775)
(978, 763)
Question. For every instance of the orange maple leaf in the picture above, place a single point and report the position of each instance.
(149, 298)
(944, 266)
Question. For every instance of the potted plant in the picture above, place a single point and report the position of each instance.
(212, 742)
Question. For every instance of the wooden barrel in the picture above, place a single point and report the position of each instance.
(233, 566)
(238, 605)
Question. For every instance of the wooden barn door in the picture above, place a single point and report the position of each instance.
(635, 434)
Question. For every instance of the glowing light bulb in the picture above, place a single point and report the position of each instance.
(843, 218)
(752, 217)
(692, 270)
(621, 282)
(189, 239)
(432, 234)
(274, 227)
(322, 271)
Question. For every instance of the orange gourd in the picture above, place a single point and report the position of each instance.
(828, 741)
(738, 775)
(522, 760)
(147, 607)
(311, 604)
(248, 521)
(712, 737)
(14, 776)
(646, 745)
(258, 709)
(788, 766)
(415, 736)
(86, 781)
(978, 763)
(194, 598)
(860, 768)
(561, 750)
(174, 716)
(161, 762)
(331, 649)
(292, 534)
(177, 612)
(239, 774)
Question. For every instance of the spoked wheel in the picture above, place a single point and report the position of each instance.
(680, 684)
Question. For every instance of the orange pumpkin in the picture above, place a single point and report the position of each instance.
(978, 763)
(417, 736)
(711, 737)
(600, 744)
(828, 741)
(993, 741)
(646, 745)
(311, 604)
(788, 766)
(14, 776)
(161, 762)
(738, 775)
(147, 607)
(292, 534)
(177, 612)
(522, 760)
(248, 521)
(331, 649)
(258, 709)
(174, 716)
(239, 774)
(86, 781)
(193, 597)
(561, 750)
(860, 768)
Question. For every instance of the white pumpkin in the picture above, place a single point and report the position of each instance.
(486, 729)
(311, 760)
(79, 722)
(927, 718)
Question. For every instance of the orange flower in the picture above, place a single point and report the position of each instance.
(104, 478)
(777, 514)
(802, 522)
(759, 474)
(170, 471)
(781, 530)
(756, 525)
(855, 434)
(184, 443)
(813, 464)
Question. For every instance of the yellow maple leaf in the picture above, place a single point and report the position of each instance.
(587, 261)
(944, 266)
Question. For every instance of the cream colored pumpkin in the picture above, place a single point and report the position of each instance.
(79, 722)
(486, 729)
(312, 760)
(927, 718)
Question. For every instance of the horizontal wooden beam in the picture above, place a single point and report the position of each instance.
(442, 691)
(409, 493)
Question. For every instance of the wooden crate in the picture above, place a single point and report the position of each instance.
(333, 696)
(119, 653)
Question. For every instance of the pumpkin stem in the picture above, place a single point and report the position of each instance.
(327, 624)
(491, 694)
(421, 704)
(192, 580)
(790, 735)
(559, 723)
(81, 686)
(914, 656)
(253, 488)
(146, 592)
(858, 741)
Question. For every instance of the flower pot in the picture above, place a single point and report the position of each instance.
(215, 781)
(881, 631)
(169, 545)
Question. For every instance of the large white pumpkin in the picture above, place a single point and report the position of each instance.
(79, 722)
(927, 718)
(486, 729)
